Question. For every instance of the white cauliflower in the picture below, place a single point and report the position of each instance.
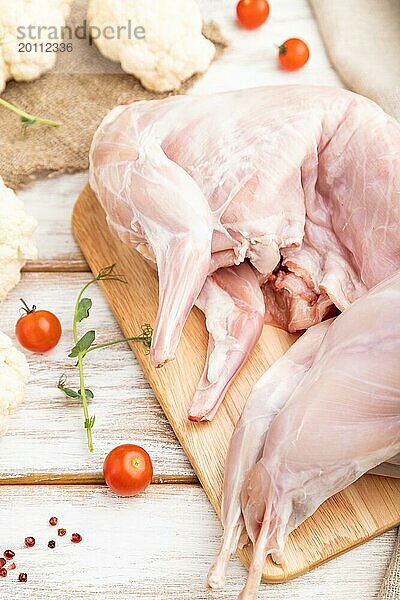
(14, 374)
(15, 14)
(16, 239)
(173, 49)
(16, 246)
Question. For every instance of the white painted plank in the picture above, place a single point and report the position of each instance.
(157, 546)
(50, 201)
(46, 434)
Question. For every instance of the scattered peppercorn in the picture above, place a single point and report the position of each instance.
(30, 541)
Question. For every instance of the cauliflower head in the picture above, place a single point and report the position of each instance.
(16, 239)
(173, 49)
(14, 374)
(26, 66)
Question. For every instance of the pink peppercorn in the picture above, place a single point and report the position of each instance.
(23, 577)
(53, 521)
(12, 566)
(3, 572)
(2, 562)
(9, 554)
(30, 541)
(76, 538)
(62, 532)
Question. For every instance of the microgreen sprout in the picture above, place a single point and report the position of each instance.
(85, 344)
(27, 119)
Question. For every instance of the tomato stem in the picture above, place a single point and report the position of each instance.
(26, 307)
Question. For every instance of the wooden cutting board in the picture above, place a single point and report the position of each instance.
(365, 509)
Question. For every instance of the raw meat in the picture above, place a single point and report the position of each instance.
(336, 418)
(233, 304)
(303, 182)
(267, 398)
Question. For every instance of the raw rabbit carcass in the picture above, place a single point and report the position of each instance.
(301, 182)
(233, 303)
(323, 415)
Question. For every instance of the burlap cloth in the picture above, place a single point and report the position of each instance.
(362, 38)
(79, 92)
(390, 589)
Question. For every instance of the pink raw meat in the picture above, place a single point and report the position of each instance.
(326, 413)
(303, 182)
(233, 303)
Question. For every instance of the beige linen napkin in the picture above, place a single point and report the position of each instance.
(362, 38)
(390, 589)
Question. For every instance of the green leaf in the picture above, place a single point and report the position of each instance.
(67, 391)
(83, 344)
(84, 307)
(25, 120)
(70, 393)
(89, 393)
(106, 272)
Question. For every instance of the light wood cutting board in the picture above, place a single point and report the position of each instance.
(365, 509)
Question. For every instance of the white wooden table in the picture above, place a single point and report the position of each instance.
(157, 546)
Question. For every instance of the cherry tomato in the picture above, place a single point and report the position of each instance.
(252, 13)
(38, 330)
(293, 54)
(128, 470)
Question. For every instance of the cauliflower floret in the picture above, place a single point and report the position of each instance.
(26, 66)
(16, 246)
(16, 239)
(173, 49)
(14, 374)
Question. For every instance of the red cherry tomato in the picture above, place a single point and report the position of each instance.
(252, 13)
(128, 470)
(293, 54)
(38, 330)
